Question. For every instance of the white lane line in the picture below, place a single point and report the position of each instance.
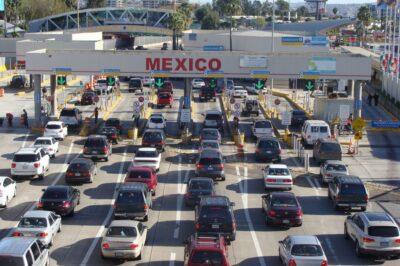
(248, 219)
(178, 198)
(237, 170)
(25, 139)
(313, 186)
(317, 184)
(109, 214)
(172, 259)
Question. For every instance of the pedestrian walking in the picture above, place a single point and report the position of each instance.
(96, 114)
(376, 98)
(25, 116)
(369, 98)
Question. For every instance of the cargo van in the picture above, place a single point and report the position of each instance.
(313, 130)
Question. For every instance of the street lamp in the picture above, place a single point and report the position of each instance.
(77, 7)
(272, 37)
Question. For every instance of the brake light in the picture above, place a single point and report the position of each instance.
(36, 165)
(329, 175)
(197, 226)
(199, 165)
(187, 194)
(145, 207)
(287, 180)
(397, 241)
(106, 246)
(271, 213)
(366, 197)
(133, 246)
(105, 149)
(299, 213)
(114, 136)
(368, 240)
(257, 150)
(337, 198)
(221, 166)
(42, 234)
(13, 165)
(40, 204)
(66, 204)
(70, 174)
(161, 142)
(16, 233)
(86, 174)
(271, 180)
(324, 263)
(114, 206)
(292, 262)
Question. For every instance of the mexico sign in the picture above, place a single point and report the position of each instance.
(183, 64)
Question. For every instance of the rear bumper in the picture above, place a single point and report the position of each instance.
(95, 156)
(381, 252)
(130, 215)
(59, 210)
(285, 221)
(211, 174)
(351, 205)
(278, 186)
(226, 235)
(53, 135)
(24, 173)
(121, 254)
(77, 179)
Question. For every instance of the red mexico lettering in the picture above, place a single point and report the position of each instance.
(180, 64)
(166, 64)
(190, 64)
(183, 64)
(152, 64)
(214, 64)
(197, 64)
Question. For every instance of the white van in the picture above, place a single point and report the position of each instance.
(313, 130)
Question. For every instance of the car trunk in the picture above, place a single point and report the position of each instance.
(119, 243)
(289, 212)
(308, 261)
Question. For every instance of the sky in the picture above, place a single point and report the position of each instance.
(301, 1)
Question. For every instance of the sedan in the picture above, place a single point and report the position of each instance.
(210, 134)
(198, 83)
(49, 145)
(302, 250)
(60, 199)
(282, 208)
(197, 188)
(298, 117)
(43, 225)
(8, 190)
(148, 157)
(56, 129)
(143, 174)
(81, 170)
(157, 121)
(124, 239)
(331, 168)
(277, 176)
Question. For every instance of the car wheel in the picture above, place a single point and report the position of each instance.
(91, 179)
(106, 159)
(53, 156)
(363, 209)
(72, 213)
(223, 178)
(153, 193)
(15, 192)
(41, 177)
(346, 234)
(59, 228)
(358, 251)
(139, 257)
(146, 218)
(50, 243)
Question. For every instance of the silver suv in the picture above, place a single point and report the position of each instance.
(374, 233)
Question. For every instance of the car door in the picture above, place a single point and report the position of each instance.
(52, 225)
(57, 221)
(45, 159)
(42, 253)
(285, 250)
(322, 169)
(65, 129)
(359, 228)
(331, 188)
(75, 196)
(55, 144)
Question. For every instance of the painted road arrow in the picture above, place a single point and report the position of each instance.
(309, 85)
(61, 80)
(259, 85)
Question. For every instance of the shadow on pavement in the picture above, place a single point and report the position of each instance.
(268, 260)
(102, 191)
(14, 213)
(115, 167)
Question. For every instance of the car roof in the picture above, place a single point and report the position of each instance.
(378, 219)
(349, 179)
(146, 149)
(70, 108)
(280, 166)
(329, 141)
(154, 130)
(132, 186)
(335, 162)
(57, 187)
(28, 150)
(268, 139)
(283, 194)
(37, 214)
(215, 200)
(304, 239)
(317, 122)
(193, 179)
(54, 123)
(15, 245)
(210, 153)
(44, 138)
(210, 141)
(209, 129)
(96, 136)
(132, 223)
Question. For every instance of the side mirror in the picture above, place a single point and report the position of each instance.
(264, 196)
(348, 217)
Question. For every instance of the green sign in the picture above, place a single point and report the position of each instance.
(213, 83)
(260, 84)
(159, 82)
(110, 81)
(309, 85)
(61, 80)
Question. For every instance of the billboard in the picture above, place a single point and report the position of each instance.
(323, 65)
(1, 5)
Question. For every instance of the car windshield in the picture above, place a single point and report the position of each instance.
(135, 82)
(383, 231)
(209, 161)
(79, 167)
(331, 147)
(94, 142)
(55, 194)
(53, 126)
(207, 257)
(307, 250)
(152, 136)
(7, 260)
(130, 197)
(352, 189)
(336, 167)
(122, 231)
(156, 120)
(268, 144)
(42, 142)
(200, 185)
(163, 96)
(278, 171)
(213, 117)
(283, 202)
(209, 133)
(32, 222)
(26, 158)
(238, 88)
(198, 80)
(112, 123)
(211, 212)
(139, 174)
(213, 145)
(67, 112)
(146, 153)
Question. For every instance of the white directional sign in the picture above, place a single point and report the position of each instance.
(286, 118)
(236, 106)
(185, 116)
(236, 113)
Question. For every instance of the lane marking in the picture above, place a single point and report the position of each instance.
(237, 170)
(332, 250)
(25, 139)
(109, 214)
(313, 186)
(172, 259)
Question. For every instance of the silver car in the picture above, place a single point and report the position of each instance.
(124, 239)
(209, 144)
(331, 168)
(374, 233)
(302, 250)
(43, 225)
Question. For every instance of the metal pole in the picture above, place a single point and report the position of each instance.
(5, 21)
(272, 37)
(78, 14)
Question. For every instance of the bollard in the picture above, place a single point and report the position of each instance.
(307, 162)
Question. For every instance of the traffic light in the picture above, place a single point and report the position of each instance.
(260, 84)
(110, 81)
(159, 82)
(61, 80)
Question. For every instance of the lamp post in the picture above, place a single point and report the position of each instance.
(78, 19)
(272, 37)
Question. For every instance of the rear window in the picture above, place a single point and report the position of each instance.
(351, 189)
(101, 81)
(331, 147)
(130, 197)
(26, 158)
(323, 129)
(52, 126)
(278, 171)
(7, 260)
(112, 123)
(306, 250)
(213, 117)
(152, 136)
(163, 96)
(336, 167)
(208, 161)
(268, 144)
(68, 112)
(383, 231)
(213, 145)
(139, 174)
(200, 185)
(207, 257)
(122, 231)
(283, 202)
(42, 142)
(32, 222)
(263, 124)
(210, 212)
(79, 167)
(94, 142)
(156, 120)
(146, 154)
(55, 194)
(209, 133)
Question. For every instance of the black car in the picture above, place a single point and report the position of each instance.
(81, 170)
(210, 164)
(18, 82)
(60, 199)
(111, 133)
(133, 201)
(135, 84)
(88, 97)
(114, 122)
(214, 215)
(268, 149)
(154, 138)
(207, 93)
(327, 149)
(198, 187)
(282, 208)
(298, 117)
(348, 192)
(97, 147)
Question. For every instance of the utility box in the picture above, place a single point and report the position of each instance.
(328, 109)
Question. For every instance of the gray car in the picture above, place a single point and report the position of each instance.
(124, 239)
(210, 164)
(327, 149)
(331, 168)
(374, 233)
(210, 134)
(302, 250)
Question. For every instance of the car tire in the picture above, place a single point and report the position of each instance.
(146, 218)
(363, 209)
(106, 159)
(41, 177)
(346, 234)
(102, 256)
(15, 192)
(72, 213)
(358, 251)
(139, 257)
(153, 193)
(53, 156)
(59, 228)
(223, 178)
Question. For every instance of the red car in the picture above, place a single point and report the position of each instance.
(165, 99)
(168, 87)
(206, 250)
(143, 175)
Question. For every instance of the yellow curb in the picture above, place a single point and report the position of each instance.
(6, 77)
(21, 93)
(108, 112)
(289, 99)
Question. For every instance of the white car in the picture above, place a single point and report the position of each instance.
(198, 83)
(239, 92)
(43, 225)
(157, 121)
(147, 81)
(101, 87)
(55, 129)
(331, 168)
(149, 157)
(30, 162)
(49, 144)
(277, 176)
(262, 128)
(8, 190)
(71, 117)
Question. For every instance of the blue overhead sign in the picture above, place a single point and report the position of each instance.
(292, 41)
(213, 48)
(385, 124)
(316, 41)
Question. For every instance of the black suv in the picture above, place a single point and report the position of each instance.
(97, 147)
(18, 82)
(210, 164)
(135, 84)
(133, 201)
(268, 149)
(348, 192)
(214, 216)
(206, 93)
(154, 138)
(198, 187)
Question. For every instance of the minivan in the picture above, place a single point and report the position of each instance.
(23, 251)
(313, 130)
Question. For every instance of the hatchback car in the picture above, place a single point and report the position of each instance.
(277, 176)
(81, 170)
(302, 250)
(55, 129)
(60, 199)
(8, 190)
(164, 99)
(282, 208)
(327, 149)
(206, 250)
(251, 107)
(43, 225)
(213, 119)
(207, 93)
(214, 215)
(23, 251)
(135, 84)
(97, 147)
(210, 134)
(374, 233)
(198, 187)
(268, 149)
(210, 164)
(154, 138)
(148, 157)
(133, 201)
(88, 97)
(262, 129)
(331, 168)
(111, 133)
(142, 174)
(348, 192)
(71, 117)
(124, 239)
(48, 144)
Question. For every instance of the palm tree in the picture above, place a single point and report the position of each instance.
(230, 8)
(177, 24)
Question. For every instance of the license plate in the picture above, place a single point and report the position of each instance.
(269, 152)
(285, 221)
(215, 226)
(29, 234)
(94, 152)
(77, 174)
(25, 167)
(384, 244)
(119, 254)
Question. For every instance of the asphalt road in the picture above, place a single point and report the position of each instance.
(170, 222)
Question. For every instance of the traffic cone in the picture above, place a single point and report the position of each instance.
(350, 149)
